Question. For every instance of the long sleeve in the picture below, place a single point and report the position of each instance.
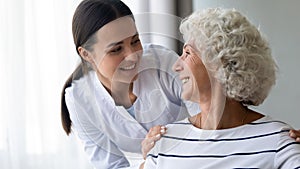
(150, 163)
(101, 141)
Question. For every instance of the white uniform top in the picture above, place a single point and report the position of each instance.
(264, 143)
(106, 129)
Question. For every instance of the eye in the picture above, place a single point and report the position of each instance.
(116, 50)
(187, 52)
(136, 41)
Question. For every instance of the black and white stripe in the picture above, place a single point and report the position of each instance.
(264, 143)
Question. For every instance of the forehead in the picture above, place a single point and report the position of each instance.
(117, 30)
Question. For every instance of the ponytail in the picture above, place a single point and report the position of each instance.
(65, 115)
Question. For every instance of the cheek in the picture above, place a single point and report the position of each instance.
(108, 66)
(139, 48)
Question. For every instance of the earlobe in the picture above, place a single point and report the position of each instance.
(85, 54)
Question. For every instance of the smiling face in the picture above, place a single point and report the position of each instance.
(117, 53)
(192, 73)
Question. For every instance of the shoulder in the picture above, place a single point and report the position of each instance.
(175, 133)
(152, 47)
(268, 122)
(79, 95)
(265, 127)
(82, 102)
(287, 149)
(79, 86)
(276, 131)
(185, 123)
(160, 58)
(160, 53)
(179, 129)
(159, 50)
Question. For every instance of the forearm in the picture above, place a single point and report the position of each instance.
(105, 154)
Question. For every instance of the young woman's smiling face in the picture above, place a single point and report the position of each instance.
(117, 53)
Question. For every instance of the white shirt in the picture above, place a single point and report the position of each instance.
(264, 143)
(106, 130)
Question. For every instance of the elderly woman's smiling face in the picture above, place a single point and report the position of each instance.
(192, 73)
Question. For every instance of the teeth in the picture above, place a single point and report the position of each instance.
(128, 67)
(185, 80)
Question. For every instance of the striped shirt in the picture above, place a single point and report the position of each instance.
(264, 143)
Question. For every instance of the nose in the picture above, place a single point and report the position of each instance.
(177, 66)
(131, 54)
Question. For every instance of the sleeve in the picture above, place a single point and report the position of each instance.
(132, 167)
(101, 150)
(288, 152)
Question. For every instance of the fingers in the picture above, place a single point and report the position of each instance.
(153, 135)
(156, 130)
(295, 134)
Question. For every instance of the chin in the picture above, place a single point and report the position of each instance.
(127, 79)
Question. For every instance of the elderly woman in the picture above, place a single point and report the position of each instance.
(226, 66)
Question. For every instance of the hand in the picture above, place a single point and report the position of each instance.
(295, 134)
(153, 135)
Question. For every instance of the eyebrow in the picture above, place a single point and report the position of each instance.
(120, 42)
(186, 45)
(190, 45)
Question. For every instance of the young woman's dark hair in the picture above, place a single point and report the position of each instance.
(89, 17)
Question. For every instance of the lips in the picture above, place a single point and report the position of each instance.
(129, 67)
(185, 80)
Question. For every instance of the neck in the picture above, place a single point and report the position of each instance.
(232, 114)
(122, 93)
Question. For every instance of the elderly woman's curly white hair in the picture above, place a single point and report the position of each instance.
(232, 47)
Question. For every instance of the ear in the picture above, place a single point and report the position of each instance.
(85, 54)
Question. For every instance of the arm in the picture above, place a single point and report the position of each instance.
(101, 150)
(91, 106)
(102, 153)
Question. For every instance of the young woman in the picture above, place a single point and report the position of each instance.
(225, 67)
(121, 89)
